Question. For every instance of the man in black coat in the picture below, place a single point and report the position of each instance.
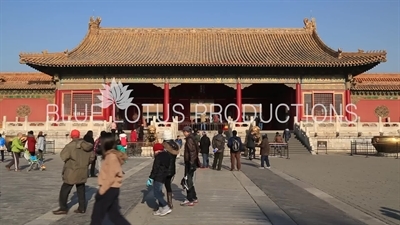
(205, 149)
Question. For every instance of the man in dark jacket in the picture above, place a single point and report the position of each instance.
(286, 135)
(235, 145)
(264, 152)
(77, 155)
(205, 149)
(89, 138)
(251, 145)
(158, 176)
(218, 144)
(191, 159)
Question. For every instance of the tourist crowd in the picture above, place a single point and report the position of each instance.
(107, 154)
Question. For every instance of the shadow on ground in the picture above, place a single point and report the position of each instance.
(90, 191)
(392, 213)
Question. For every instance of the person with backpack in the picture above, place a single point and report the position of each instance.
(2, 147)
(16, 148)
(286, 135)
(218, 144)
(235, 145)
(205, 149)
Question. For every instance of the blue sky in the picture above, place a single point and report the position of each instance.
(33, 26)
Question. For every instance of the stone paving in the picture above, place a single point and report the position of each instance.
(371, 184)
(252, 196)
(222, 200)
(28, 195)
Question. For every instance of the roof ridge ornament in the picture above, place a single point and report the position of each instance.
(310, 24)
(94, 23)
(339, 53)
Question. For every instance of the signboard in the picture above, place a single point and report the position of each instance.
(322, 144)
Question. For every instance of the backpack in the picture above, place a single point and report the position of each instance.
(124, 142)
(235, 145)
(98, 149)
(9, 146)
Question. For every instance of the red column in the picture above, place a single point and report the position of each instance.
(166, 103)
(239, 101)
(107, 111)
(347, 108)
(59, 103)
(299, 102)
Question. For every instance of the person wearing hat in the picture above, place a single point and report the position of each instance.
(77, 156)
(173, 150)
(191, 160)
(158, 176)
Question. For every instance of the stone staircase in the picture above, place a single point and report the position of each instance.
(295, 146)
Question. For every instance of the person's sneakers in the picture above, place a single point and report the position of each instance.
(60, 212)
(79, 211)
(261, 168)
(165, 210)
(187, 203)
(196, 201)
(157, 213)
(268, 167)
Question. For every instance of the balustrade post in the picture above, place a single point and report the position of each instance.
(337, 124)
(91, 123)
(26, 123)
(16, 119)
(4, 124)
(380, 127)
(358, 124)
(69, 123)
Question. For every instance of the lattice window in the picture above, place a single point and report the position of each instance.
(82, 104)
(96, 109)
(324, 101)
(338, 104)
(308, 104)
(67, 104)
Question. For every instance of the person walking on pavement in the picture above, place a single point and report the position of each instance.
(89, 138)
(173, 150)
(31, 143)
(286, 135)
(41, 145)
(251, 145)
(235, 145)
(218, 144)
(264, 152)
(2, 147)
(16, 148)
(77, 156)
(205, 144)
(191, 160)
(158, 177)
(110, 181)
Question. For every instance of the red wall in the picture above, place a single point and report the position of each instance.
(366, 109)
(38, 108)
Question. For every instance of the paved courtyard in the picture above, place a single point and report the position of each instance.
(252, 196)
(371, 184)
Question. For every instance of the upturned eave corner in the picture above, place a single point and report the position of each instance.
(310, 24)
(94, 23)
